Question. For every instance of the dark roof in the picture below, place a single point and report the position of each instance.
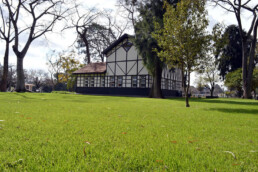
(116, 43)
(92, 68)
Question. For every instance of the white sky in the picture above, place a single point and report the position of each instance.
(36, 56)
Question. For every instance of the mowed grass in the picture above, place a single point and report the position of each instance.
(62, 132)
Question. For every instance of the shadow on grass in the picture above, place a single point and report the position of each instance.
(223, 101)
(23, 95)
(236, 111)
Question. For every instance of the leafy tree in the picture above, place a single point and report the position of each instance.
(234, 81)
(183, 38)
(208, 68)
(200, 83)
(150, 12)
(255, 81)
(69, 64)
(229, 55)
(238, 8)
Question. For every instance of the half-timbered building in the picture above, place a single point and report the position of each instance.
(123, 73)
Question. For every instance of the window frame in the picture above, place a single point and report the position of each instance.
(134, 81)
(143, 78)
(119, 81)
(86, 81)
(92, 81)
(112, 81)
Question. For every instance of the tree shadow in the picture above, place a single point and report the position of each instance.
(236, 111)
(23, 95)
(222, 101)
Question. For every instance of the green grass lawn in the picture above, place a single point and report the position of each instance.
(67, 132)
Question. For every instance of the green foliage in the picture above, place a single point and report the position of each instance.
(229, 52)
(208, 68)
(69, 64)
(183, 39)
(144, 42)
(150, 12)
(234, 80)
(183, 36)
(255, 80)
(68, 132)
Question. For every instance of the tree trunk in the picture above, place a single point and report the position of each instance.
(156, 85)
(185, 86)
(248, 68)
(251, 64)
(3, 85)
(20, 85)
(187, 90)
(212, 90)
(87, 46)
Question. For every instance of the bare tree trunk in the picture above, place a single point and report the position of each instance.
(212, 91)
(246, 89)
(88, 52)
(212, 88)
(251, 64)
(248, 68)
(156, 85)
(86, 42)
(3, 86)
(20, 85)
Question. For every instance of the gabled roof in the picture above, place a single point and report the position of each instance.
(92, 68)
(125, 36)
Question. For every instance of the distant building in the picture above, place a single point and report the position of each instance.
(29, 87)
(123, 73)
(206, 92)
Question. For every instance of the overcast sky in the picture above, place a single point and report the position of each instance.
(36, 56)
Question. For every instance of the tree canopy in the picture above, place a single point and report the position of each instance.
(149, 13)
(183, 38)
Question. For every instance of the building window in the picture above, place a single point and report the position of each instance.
(166, 84)
(143, 81)
(112, 81)
(119, 81)
(92, 82)
(80, 82)
(127, 46)
(102, 81)
(134, 81)
(87, 82)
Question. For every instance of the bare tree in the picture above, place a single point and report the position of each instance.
(81, 20)
(5, 34)
(54, 67)
(238, 7)
(43, 16)
(116, 27)
(36, 77)
(96, 30)
(128, 10)
(99, 37)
